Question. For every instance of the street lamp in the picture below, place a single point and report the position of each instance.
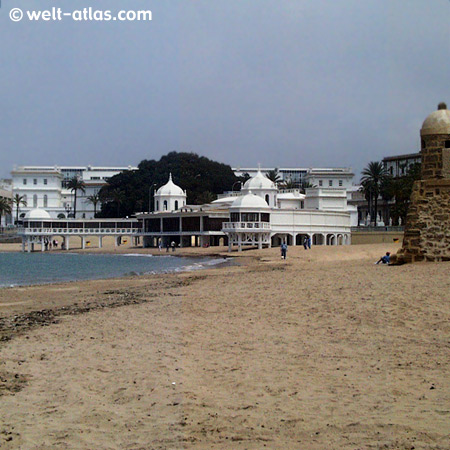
(150, 197)
(236, 182)
(68, 209)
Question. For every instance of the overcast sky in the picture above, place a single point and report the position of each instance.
(282, 82)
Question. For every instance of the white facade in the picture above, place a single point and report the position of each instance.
(46, 187)
(330, 178)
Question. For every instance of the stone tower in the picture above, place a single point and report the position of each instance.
(427, 228)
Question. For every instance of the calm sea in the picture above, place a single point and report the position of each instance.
(18, 269)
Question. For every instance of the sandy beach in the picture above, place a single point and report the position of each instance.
(322, 351)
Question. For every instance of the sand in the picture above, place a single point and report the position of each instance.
(323, 351)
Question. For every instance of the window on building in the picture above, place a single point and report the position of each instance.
(45, 181)
(340, 183)
(330, 183)
(34, 201)
(267, 199)
(447, 144)
(34, 180)
(24, 181)
(176, 204)
(165, 205)
(45, 201)
(320, 183)
(157, 205)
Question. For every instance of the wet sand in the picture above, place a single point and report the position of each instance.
(323, 351)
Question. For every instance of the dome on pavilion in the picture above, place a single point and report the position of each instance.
(37, 214)
(249, 201)
(170, 188)
(259, 181)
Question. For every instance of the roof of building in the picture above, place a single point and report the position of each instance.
(400, 157)
(438, 122)
(259, 181)
(249, 201)
(37, 214)
(170, 188)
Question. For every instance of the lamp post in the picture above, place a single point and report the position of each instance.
(236, 182)
(150, 197)
(68, 209)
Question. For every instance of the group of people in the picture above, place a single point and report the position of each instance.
(172, 245)
(49, 244)
(306, 246)
(386, 259)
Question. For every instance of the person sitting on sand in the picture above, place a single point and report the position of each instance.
(384, 259)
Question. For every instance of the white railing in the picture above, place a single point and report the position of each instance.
(254, 226)
(87, 231)
(229, 194)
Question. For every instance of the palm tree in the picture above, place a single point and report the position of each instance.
(18, 201)
(289, 184)
(75, 185)
(94, 199)
(305, 185)
(5, 207)
(374, 175)
(273, 176)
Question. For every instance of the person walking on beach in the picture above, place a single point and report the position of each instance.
(173, 246)
(309, 242)
(283, 250)
(386, 259)
(305, 243)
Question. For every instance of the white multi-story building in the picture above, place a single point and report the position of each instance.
(46, 187)
(338, 177)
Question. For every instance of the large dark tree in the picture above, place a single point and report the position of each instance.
(132, 191)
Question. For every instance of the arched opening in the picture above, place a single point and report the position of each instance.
(157, 205)
(318, 239)
(61, 216)
(176, 205)
(268, 199)
(165, 205)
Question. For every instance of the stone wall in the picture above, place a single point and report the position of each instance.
(436, 157)
(427, 229)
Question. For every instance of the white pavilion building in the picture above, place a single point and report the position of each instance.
(259, 215)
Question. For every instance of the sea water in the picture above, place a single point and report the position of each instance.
(19, 269)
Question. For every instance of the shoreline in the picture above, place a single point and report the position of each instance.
(323, 350)
(222, 261)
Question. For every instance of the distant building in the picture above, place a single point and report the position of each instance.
(339, 177)
(46, 187)
(398, 166)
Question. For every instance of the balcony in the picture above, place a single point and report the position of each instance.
(246, 226)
